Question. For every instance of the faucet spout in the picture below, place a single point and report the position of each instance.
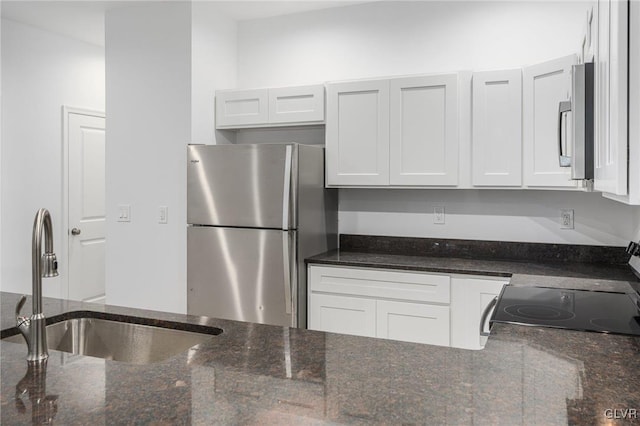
(42, 265)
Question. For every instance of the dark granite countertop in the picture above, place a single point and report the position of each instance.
(498, 268)
(259, 374)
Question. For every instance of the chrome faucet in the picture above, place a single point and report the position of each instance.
(42, 265)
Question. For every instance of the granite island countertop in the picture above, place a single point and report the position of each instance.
(260, 374)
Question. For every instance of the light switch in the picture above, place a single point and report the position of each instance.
(163, 214)
(124, 213)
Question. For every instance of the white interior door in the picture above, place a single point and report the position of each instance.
(86, 210)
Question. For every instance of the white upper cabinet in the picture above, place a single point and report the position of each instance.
(496, 141)
(296, 104)
(611, 94)
(424, 130)
(398, 132)
(357, 133)
(241, 107)
(300, 105)
(545, 85)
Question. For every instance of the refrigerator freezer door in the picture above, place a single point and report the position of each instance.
(242, 274)
(242, 185)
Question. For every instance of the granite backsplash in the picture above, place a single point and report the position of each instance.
(478, 249)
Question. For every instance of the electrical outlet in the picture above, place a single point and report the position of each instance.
(566, 219)
(438, 215)
(163, 215)
(124, 213)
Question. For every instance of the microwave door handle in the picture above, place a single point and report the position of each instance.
(564, 107)
(485, 316)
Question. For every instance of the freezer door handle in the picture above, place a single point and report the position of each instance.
(287, 272)
(286, 193)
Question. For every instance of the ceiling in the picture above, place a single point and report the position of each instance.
(84, 19)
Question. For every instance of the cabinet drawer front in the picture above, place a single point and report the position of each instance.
(342, 314)
(241, 108)
(296, 104)
(412, 322)
(413, 286)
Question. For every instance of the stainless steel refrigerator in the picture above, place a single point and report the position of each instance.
(254, 213)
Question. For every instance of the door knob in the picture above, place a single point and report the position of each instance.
(75, 231)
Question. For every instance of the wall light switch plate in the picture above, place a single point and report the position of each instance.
(566, 219)
(438, 215)
(124, 213)
(163, 215)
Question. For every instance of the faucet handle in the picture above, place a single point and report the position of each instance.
(19, 306)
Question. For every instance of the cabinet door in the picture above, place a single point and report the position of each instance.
(496, 158)
(545, 85)
(341, 314)
(611, 94)
(241, 108)
(357, 133)
(424, 130)
(413, 322)
(469, 299)
(302, 104)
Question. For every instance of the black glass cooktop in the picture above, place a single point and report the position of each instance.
(599, 311)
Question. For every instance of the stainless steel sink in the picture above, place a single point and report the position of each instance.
(119, 341)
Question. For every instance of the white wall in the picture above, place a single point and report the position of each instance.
(390, 38)
(395, 38)
(148, 57)
(41, 71)
(214, 57)
(507, 215)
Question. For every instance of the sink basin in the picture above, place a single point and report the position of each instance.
(121, 341)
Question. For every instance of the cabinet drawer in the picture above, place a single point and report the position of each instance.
(379, 283)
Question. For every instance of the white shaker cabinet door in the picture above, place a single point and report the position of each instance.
(357, 133)
(611, 96)
(545, 85)
(496, 151)
(413, 322)
(300, 104)
(341, 314)
(238, 108)
(424, 130)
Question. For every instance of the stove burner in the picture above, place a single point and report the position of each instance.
(606, 324)
(548, 313)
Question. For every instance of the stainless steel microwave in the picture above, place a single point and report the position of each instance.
(580, 139)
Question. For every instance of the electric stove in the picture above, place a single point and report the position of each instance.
(599, 311)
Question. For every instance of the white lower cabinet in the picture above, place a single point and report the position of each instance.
(470, 299)
(342, 314)
(410, 306)
(412, 322)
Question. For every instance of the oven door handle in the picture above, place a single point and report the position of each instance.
(485, 316)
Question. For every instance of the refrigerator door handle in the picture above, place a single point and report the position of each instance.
(286, 193)
(287, 272)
